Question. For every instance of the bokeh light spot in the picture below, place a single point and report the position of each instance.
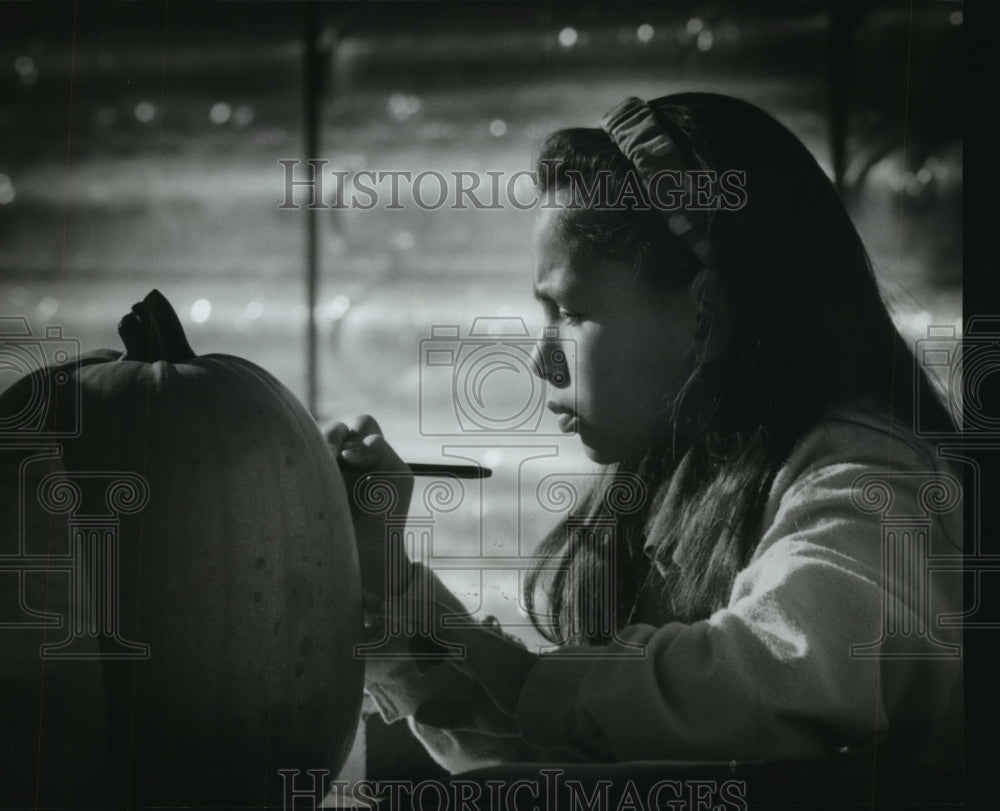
(201, 310)
(568, 37)
(402, 107)
(26, 70)
(145, 111)
(220, 112)
(47, 308)
(338, 308)
(492, 458)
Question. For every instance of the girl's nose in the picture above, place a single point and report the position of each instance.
(549, 359)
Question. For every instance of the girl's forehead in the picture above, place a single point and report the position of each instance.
(552, 231)
(556, 247)
(548, 220)
(567, 266)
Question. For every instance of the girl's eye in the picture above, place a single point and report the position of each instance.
(570, 318)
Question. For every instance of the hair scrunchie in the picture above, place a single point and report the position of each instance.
(633, 128)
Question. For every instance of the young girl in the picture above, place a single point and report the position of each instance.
(732, 354)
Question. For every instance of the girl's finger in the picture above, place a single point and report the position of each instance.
(371, 620)
(375, 448)
(366, 453)
(365, 425)
(335, 435)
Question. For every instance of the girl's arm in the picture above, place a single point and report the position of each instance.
(398, 679)
(781, 671)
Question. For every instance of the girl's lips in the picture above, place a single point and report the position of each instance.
(567, 423)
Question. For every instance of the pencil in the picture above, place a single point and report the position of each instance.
(459, 471)
(434, 469)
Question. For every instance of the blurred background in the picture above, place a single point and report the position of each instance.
(140, 147)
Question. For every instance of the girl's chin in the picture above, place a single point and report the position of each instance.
(608, 451)
(600, 455)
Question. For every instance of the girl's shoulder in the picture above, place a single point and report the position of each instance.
(852, 445)
(858, 433)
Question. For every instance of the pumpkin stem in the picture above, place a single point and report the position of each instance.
(152, 332)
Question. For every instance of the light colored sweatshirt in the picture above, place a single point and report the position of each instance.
(840, 631)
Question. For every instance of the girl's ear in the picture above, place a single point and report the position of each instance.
(711, 330)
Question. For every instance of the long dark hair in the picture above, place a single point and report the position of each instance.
(807, 330)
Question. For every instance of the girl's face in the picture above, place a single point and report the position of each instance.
(630, 347)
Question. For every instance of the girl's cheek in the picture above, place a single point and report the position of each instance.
(571, 345)
(582, 358)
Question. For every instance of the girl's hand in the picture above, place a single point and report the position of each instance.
(370, 465)
(498, 667)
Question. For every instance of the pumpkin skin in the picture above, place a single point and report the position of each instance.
(241, 573)
(53, 725)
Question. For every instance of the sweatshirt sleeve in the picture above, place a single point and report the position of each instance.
(781, 672)
(400, 682)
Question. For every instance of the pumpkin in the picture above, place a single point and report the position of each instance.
(229, 653)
